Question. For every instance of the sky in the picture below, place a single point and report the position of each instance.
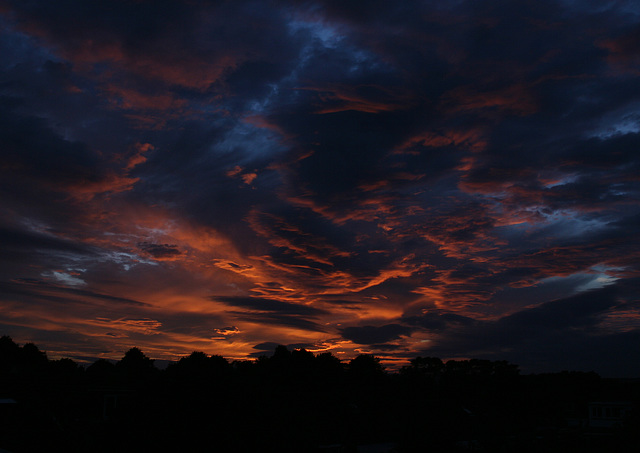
(453, 179)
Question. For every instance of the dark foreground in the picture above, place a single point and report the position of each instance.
(297, 401)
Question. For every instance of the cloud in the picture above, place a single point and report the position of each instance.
(623, 50)
(144, 325)
(532, 335)
(224, 332)
(367, 98)
(375, 335)
(575, 311)
(268, 348)
(278, 319)
(177, 46)
(434, 320)
(25, 241)
(454, 178)
(160, 251)
(35, 152)
(267, 305)
(46, 290)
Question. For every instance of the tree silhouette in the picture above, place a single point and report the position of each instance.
(31, 354)
(65, 371)
(9, 352)
(295, 401)
(198, 368)
(100, 370)
(428, 367)
(366, 367)
(135, 361)
(328, 367)
(31, 361)
(281, 355)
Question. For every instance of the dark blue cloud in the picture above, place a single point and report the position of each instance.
(262, 304)
(555, 335)
(375, 335)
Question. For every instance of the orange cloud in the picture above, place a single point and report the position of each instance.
(372, 209)
(472, 139)
(132, 99)
(112, 183)
(463, 234)
(280, 233)
(263, 122)
(138, 157)
(362, 98)
(456, 292)
(247, 177)
(235, 171)
(143, 325)
(624, 52)
(516, 99)
(173, 68)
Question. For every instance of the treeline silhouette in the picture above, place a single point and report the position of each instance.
(297, 401)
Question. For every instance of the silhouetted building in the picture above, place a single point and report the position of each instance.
(609, 414)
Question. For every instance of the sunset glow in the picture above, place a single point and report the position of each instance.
(450, 179)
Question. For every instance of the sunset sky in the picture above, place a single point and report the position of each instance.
(457, 179)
